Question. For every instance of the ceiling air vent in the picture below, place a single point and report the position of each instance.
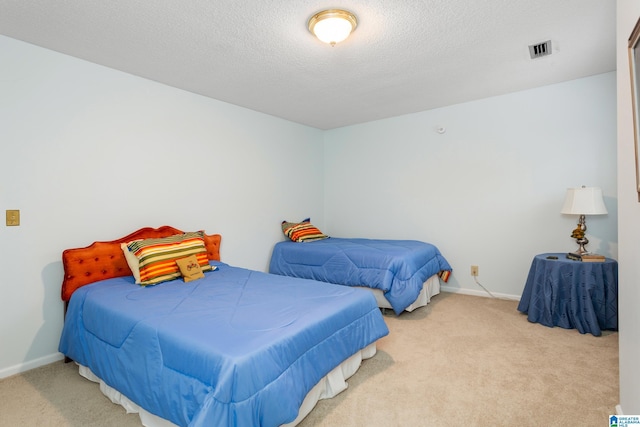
(540, 49)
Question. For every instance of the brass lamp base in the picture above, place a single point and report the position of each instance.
(581, 249)
(579, 234)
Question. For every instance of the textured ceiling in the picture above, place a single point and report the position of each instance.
(405, 56)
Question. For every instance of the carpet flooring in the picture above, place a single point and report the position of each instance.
(462, 360)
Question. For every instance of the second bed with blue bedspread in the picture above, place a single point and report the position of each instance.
(396, 267)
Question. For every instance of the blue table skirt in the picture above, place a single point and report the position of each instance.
(572, 294)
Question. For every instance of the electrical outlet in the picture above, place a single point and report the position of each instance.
(474, 270)
(13, 217)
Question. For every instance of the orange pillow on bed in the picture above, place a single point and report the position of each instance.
(302, 231)
(157, 257)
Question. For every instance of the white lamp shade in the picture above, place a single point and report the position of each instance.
(584, 201)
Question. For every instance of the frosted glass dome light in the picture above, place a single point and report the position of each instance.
(332, 26)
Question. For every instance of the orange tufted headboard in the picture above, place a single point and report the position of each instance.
(104, 260)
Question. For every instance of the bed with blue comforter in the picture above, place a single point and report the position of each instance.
(235, 348)
(398, 268)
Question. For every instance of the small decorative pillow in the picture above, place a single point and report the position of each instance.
(157, 257)
(302, 231)
(190, 268)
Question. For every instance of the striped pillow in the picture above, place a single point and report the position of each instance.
(302, 231)
(157, 257)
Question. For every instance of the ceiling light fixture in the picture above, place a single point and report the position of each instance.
(332, 26)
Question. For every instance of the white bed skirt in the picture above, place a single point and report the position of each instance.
(329, 386)
(430, 288)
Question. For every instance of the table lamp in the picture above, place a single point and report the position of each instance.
(583, 201)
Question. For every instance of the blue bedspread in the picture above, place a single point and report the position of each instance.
(397, 267)
(237, 348)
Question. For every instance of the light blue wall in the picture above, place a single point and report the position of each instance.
(488, 191)
(89, 153)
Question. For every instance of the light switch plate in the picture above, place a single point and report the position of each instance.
(13, 217)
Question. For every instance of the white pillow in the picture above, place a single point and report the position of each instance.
(132, 260)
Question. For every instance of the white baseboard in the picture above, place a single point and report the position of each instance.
(32, 364)
(619, 410)
(478, 293)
